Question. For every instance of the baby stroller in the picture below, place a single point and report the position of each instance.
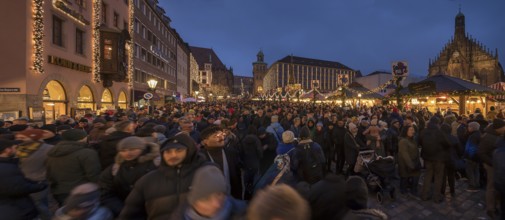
(381, 170)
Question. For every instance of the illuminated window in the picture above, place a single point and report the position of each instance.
(107, 49)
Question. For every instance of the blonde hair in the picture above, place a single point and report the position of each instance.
(278, 202)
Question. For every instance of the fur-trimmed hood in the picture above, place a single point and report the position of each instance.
(151, 153)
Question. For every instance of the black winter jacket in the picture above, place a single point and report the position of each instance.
(435, 146)
(157, 194)
(487, 146)
(117, 180)
(15, 190)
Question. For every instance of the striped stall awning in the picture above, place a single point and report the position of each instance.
(500, 86)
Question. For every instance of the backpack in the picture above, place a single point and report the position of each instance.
(309, 168)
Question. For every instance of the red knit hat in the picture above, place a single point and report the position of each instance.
(36, 134)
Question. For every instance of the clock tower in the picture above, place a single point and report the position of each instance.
(259, 71)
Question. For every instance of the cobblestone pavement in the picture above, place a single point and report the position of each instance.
(466, 205)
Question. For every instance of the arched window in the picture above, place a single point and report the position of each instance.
(85, 100)
(107, 101)
(122, 102)
(54, 100)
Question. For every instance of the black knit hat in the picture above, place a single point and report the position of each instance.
(74, 135)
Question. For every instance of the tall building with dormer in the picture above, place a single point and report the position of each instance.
(467, 58)
(213, 75)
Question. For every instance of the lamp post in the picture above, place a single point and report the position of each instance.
(196, 95)
(210, 98)
(359, 99)
(152, 87)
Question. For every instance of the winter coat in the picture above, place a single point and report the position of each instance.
(234, 166)
(392, 135)
(369, 214)
(472, 144)
(34, 166)
(499, 167)
(283, 148)
(435, 146)
(351, 148)
(487, 146)
(117, 180)
(53, 140)
(321, 138)
(297, 157)
(108, 148)
(268, 154)
(157, 194)
(251, 152)
(409, 163)
(326, 198)
(71, 164)
(96, 135)
(15, 202)
(276, 130)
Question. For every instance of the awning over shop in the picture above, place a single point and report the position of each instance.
(353, 90)
(139, 94)
(448, 85)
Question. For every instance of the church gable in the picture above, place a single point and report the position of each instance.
(466, 58)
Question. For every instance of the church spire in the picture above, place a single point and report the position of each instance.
(459, 30)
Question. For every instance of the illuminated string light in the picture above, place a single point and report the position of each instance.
(131, 10)
(38, 35)
(97, 8)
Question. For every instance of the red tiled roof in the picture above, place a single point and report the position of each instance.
(204, 55)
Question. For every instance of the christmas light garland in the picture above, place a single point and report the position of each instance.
(97, 4)
(131, 10)
(38, 35)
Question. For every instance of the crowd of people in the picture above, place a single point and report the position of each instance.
(244, 160)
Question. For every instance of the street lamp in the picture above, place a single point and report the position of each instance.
(196, 94)
(210, 99)
(152, 87)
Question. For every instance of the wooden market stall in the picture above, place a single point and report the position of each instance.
(442, 92)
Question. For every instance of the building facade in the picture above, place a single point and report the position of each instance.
(329, 75)
(466, 58)
(213, 77)
(154, 56)
(182, 67)
(55, 55)
(194, 75)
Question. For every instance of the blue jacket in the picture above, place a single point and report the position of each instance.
(276, 129)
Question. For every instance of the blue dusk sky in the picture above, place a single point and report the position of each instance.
(366, 35)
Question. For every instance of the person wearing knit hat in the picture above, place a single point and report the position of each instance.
(180, 160)
(312, 153)
(288, 143)
(74, 135)
(83, 203)
(107, 148)
(135, 158)
(208, 199)
(32, 154)
(15, 187)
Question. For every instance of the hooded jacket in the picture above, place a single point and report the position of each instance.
(71, 164)
(117, 180)
(157, 194)
(435, 146)
(276, 130)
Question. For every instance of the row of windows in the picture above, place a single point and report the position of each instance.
(115, 17)
(141, 5)
(59, 37)
(146, 56)
(152, 38)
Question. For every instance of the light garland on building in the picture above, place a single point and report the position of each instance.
(131, 10)
(97, 4)
(38, 35)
